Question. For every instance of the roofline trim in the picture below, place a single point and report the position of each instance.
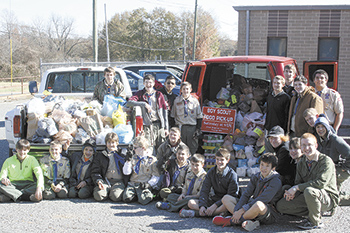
(292, 7)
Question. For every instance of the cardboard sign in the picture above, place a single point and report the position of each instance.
(218, 120)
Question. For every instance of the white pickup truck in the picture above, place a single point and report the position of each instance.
(70, 82)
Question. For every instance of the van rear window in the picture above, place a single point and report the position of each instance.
(74, 82)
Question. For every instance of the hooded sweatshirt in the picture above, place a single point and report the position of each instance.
(333, 145)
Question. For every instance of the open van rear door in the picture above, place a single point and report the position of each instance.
(194, 74)
(331, 67)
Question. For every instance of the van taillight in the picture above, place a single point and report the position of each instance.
(17, 126)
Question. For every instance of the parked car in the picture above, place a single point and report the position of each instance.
(177, 71)
(160, 76)
(135, 81)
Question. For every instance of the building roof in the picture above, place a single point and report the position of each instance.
(247, 59)
(292, 7)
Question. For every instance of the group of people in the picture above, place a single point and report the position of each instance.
(301, 171)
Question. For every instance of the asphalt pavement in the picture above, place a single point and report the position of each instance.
(90, 216)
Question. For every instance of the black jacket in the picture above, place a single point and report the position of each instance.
(73, 180)
(227, 183)
(100, 165)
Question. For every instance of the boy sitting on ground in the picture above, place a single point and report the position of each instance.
(220, 178)
(80, 181)
(17, 183)
(107, 171)
(144, 173)
(193, 184)
(257, 201)
(175, 172)
(56, 169)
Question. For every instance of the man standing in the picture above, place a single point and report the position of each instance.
(332, 102)
(154, 111)
(305, 98)
(315, 188)
(289, 75)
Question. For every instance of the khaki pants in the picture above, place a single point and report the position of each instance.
(155, 134)
(49, 194)
(82, 193)
(17, 189)
(133, 192)
(311, 202)
(115, 192)
(341, 177)
(176, 206)
(187, 132)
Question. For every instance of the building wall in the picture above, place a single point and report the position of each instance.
(302, 42)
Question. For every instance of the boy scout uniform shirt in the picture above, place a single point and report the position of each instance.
(63, 168)
(183, 171)
(83, 171)
(15, 170)
(197, 186)
(332, 102)
(147, 169)
(194, 111)
(112, 171)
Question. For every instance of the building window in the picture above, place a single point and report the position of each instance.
(328, 49)
(277, 46)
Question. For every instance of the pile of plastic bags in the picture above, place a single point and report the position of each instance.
(57, 118)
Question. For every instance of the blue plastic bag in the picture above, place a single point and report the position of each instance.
(111, 103)
(124, 133)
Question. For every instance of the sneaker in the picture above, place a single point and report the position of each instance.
(309, 226)
(222, 221)
(4, 198)
(187, 213)
(250, 225)
(162, 205)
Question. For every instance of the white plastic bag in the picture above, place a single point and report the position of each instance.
(37, 106)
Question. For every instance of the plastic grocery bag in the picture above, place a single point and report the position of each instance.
(119, 116)
(223, 94)
(92, 124)
(100, 138)
(46, 127)
(81, 136)
(111, 103)
(37, 106)
(32, 121)
(124, 133)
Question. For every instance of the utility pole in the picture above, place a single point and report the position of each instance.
(194, 32)
(184, 45)
(107, 42)
(94, 30)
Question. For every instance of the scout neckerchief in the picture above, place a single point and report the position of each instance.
(54, 166)
(190, 187)
(81, 167)
(149, 96)
(138, 164)
(186, 107)
(117, 159)
(177, 172)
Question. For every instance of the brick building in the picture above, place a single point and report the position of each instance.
(305, 33)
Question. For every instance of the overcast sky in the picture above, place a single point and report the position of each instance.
(81, 10)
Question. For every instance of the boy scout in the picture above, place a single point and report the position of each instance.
(144, 173)
(56, 171)
(188, 116)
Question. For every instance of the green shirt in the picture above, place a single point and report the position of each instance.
(321, 176)
(15, 170)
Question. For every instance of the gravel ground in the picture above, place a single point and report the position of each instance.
(89, 216)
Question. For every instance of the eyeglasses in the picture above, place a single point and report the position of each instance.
(170, 83)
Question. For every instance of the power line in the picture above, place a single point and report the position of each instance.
(137, 47)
